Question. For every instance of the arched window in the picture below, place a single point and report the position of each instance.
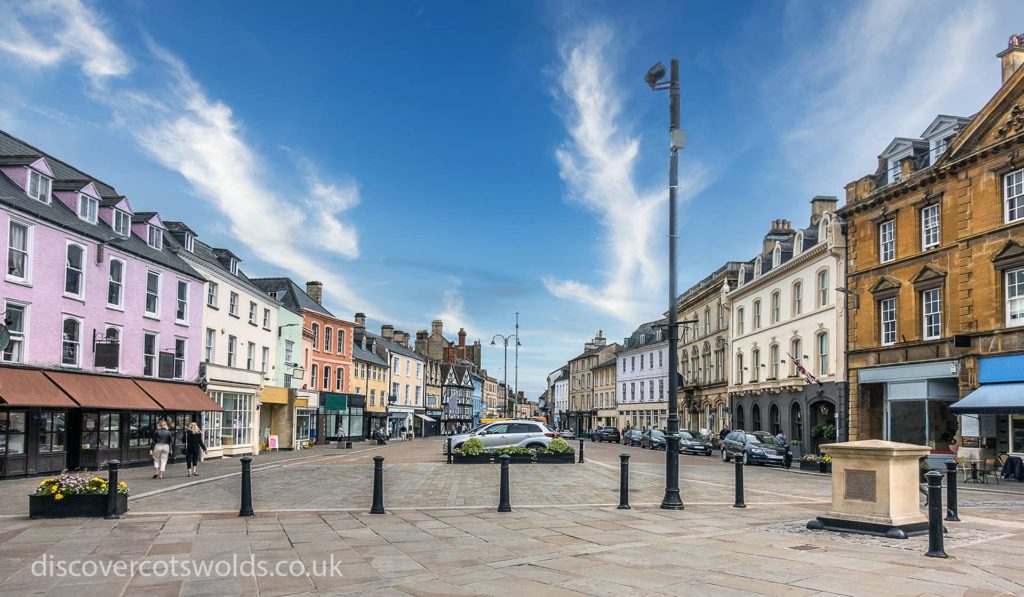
(798, 298)
(756, 324)
(739, 320)
(795, 355)
(777, 255)
(695, 364)
(113, 334)
(796, 423)
(312, 375)
(721, 316)
(776, 306)
(327, 378)
(757, 266)
(74, 270)
(316, 336)
(707, 321)
(328, 339)
(741, 276)
(798, 243)
(755, 361)
(774, 423)
(739, 417)
(339, 379)
(71, 344)
(739, 369)
(755, 415)
(822, 343)
(773, 356)
(822, 287)
(709, 368)
(823, 229)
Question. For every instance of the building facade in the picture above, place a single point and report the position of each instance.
(641, 387)
(407, 403)
(582, 412)
(936, 245)
(369, 379)
(787, 314)
(604, 393)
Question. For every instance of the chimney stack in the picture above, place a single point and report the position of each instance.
(462, 337)
(1013, 56)
(436, 327)
(402, 338)
(360, 323)
(387, 332)
(421, 342)
(315, 290)
(821, 204)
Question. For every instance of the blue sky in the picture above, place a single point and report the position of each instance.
(467, 160)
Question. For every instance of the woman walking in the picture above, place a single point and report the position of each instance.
(194, 447)
(160, 448)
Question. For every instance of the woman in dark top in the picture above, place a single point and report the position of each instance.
(160, 448)
(194, 447)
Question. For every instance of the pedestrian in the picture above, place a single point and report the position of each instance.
(781, 437)
(195, 447)
(160, 448)
(401, 432)
(724, 432)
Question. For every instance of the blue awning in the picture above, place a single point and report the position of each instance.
(993, 399)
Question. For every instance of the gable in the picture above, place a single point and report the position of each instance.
(885, 285)
(928, 277)
(941, 123)
(1011, 255)
(1002, 118)
(42, 166)
(90, 190)
(156, 221)
(898, 146)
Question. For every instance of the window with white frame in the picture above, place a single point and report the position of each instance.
(74, 270)
(773, 354)
(250, 356)
(327, 380)
(776, 306)
(394, 365)
(930, 227)
(316, 337)
(823, 353)
(757, 267)
(707, 321)
(265, 360)
(755, 358)
(232, 349)
(71, 342)
(1013, 195)
(18, 242)
(233, 305)
(341, 345)
(757, 315)
(152, 293)
(211, 294)
(289, 351)
(233, 267)
(798, 298)
(252, 312)
(887, 317)
(212, 428)
(329, 340)
(339, 379)
(181, 312)
(88, 208)
(798, 243)
(776, 256)
(823, 288)
(794, 355)
(739, 320)
(266, 319)
(149, 344)
(190, 242)
(38, 186)
(931, 310)
(739, 368)
(155, 237)
(237, 416)
(887, 241)
(179, 358)
(211, 339)
(1015, 297)
(115, 284)
(313, 369)
(122, 222)
(15, 317)
(419, 370)
(113, 334)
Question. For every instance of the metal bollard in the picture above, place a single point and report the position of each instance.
(739, 485)
(624, 481)
(112, 490)
(449, 450)
(246, 509)
(935, 549)
(378, 486)
(951, 507)
(581, 450)
(504, 505)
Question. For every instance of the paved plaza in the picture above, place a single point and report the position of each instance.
(443, 536)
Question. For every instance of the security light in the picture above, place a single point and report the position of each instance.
(655, 74)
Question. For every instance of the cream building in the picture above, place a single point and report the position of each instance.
(369, 378)
(407, 399)
(642, 377)
(582, 411)
(604, 393)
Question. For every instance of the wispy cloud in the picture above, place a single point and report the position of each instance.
(453, 307)
(597, 162)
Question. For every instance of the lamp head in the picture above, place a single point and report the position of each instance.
(492, 343)
(655, 74)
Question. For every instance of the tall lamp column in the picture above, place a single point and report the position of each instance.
(505, 341)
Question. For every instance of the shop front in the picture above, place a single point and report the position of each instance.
(33, 423)
(803, 413)
(992, 416)
(431, 422)
(343, 416)
(275, 418)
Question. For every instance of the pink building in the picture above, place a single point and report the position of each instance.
(92, 300)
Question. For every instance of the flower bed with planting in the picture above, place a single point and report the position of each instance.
(813, 462)
(72, 495)
(473, 452)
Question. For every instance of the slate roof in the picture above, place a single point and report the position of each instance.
(786, 242)
(289, 293)
(13, 146)
(395, 347)
(361, 354)
(58, 214)
(649, 330)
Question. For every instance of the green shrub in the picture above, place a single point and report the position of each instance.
(559, 446)
(473, 446)
(512, 451)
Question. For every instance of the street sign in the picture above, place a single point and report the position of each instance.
(5, 336)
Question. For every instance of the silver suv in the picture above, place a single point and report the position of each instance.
(523, 433)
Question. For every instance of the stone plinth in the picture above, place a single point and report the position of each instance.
(875, 489)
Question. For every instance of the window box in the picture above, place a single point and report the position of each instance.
(73, 506)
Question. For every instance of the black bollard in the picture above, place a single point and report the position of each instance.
(951, 507)
(449, 450)
(739, 485)
(581, 450)
(624, 482)
(246, 509)
(935, 549)
(112, 490)
(378, 485)
(504, 505)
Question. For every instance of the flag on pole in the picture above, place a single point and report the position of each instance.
(803, 371)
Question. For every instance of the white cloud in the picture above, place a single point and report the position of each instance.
(48, 32)
(597, 163)
(453, 307)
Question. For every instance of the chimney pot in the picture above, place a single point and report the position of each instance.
(1013, 56)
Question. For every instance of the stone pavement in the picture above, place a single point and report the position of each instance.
(442, 534)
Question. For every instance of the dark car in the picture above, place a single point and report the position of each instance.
(759, 447)
(632, 437)
(692, 442)
(606, 434)
(653, 439)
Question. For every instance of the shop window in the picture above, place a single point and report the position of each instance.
(236, 420)
(101, 431)
(212, 428)
(140, 429)
(12, 432)
(52, 438)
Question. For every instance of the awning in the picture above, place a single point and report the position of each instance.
(29, 387)
(274, 395)
(103, 391)
(178, 396)
(993, 399)
(426, 418)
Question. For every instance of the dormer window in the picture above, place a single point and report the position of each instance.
(798, 244)
(38, 186)
(233, 266)
(88, 208)
(740, 279)
(190, 243)
(122, 222)
(757, 267)
(155, 237)
(776, 256)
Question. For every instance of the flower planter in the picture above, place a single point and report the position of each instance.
(825, 467)
(569, 458)
(797, 451)
(806, 465)
(463, 459)
(72, 506)
(516, 458)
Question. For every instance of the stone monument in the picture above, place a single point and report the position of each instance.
(875, 489)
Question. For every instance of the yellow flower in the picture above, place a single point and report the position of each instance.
(122, 485)
(59, 496)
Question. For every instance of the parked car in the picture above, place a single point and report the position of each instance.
(759, 447)
(523, 433)
(567, 434)
(653, 439)
(632, 437)
(606, 434)
(692, 442)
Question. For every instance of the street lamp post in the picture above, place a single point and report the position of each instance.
(505, 340)
(672, 499)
